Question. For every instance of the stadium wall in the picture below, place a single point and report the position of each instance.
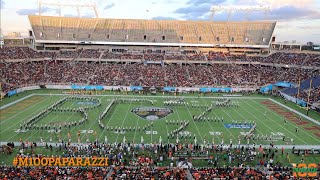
(128, 88)
(299, 102)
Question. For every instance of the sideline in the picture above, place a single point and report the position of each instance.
(245, 145)
(16, 101)
(163, 96)
(295, 111)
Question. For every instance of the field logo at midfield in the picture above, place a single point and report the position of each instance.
(152, 113)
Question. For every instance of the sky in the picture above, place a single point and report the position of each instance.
(297, 19)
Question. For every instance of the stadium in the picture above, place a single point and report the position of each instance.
(158, 99)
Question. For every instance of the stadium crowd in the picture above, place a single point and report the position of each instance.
(141, 161)
(160, 55)
(314, 95)
(16, 74)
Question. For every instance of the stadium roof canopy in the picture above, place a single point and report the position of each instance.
(48, 29)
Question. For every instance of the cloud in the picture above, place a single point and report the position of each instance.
(292, 12)
(309, 27)
(163, 18)
(23, 12)
(109, 6)
(70, 15)
(88, 16)
(201, 2)
(281, 3)
(33, 11)
(287, 13)
(197, 9)
(2, 4)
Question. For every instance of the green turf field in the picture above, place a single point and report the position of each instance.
(259, 109)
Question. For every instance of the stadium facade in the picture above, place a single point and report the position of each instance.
(63, 32)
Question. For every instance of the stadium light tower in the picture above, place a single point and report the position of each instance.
(231, 9)
(77, 5)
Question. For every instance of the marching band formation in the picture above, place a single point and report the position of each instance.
(123, 100)
(30, 124)
(104, 113)
(220, 102)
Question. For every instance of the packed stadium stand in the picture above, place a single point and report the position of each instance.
(124, 52)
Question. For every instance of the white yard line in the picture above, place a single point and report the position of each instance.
(115, 104)
(287, 122)
(295, 111)
(30, 115)
(15, 102)
(135, 131)
(244, 119)
(263, 145)
(93, 122)
(195, 124)
(257, 129)
(269, 120)
(223, 124)
(124, 119)
(45, 140)
(35, 131)
(121, 95)
(5, 120)
(209, 124)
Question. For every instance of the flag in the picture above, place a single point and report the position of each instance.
(309, 94)
(299, 89)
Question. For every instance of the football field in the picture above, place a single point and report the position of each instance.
(151, 119)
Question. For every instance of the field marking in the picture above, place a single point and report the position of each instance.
(5, 120)
(264, 107)
(167, 131)
(57, 115)
(235, 110)
(39, 144)
(93, 122)
(210, 125)
(206, 97)
(45, 139)
(250, 98)
(276, 123)
(166, 126)
(135, 131)
(16, 101)
(124, 119)
(24, 118)
(245, 119)
(295, 111)
(35, 130)
(73, 127)
(289, 122)
(194, 124)
(272, 120)
(109, 120)
(223, 124)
